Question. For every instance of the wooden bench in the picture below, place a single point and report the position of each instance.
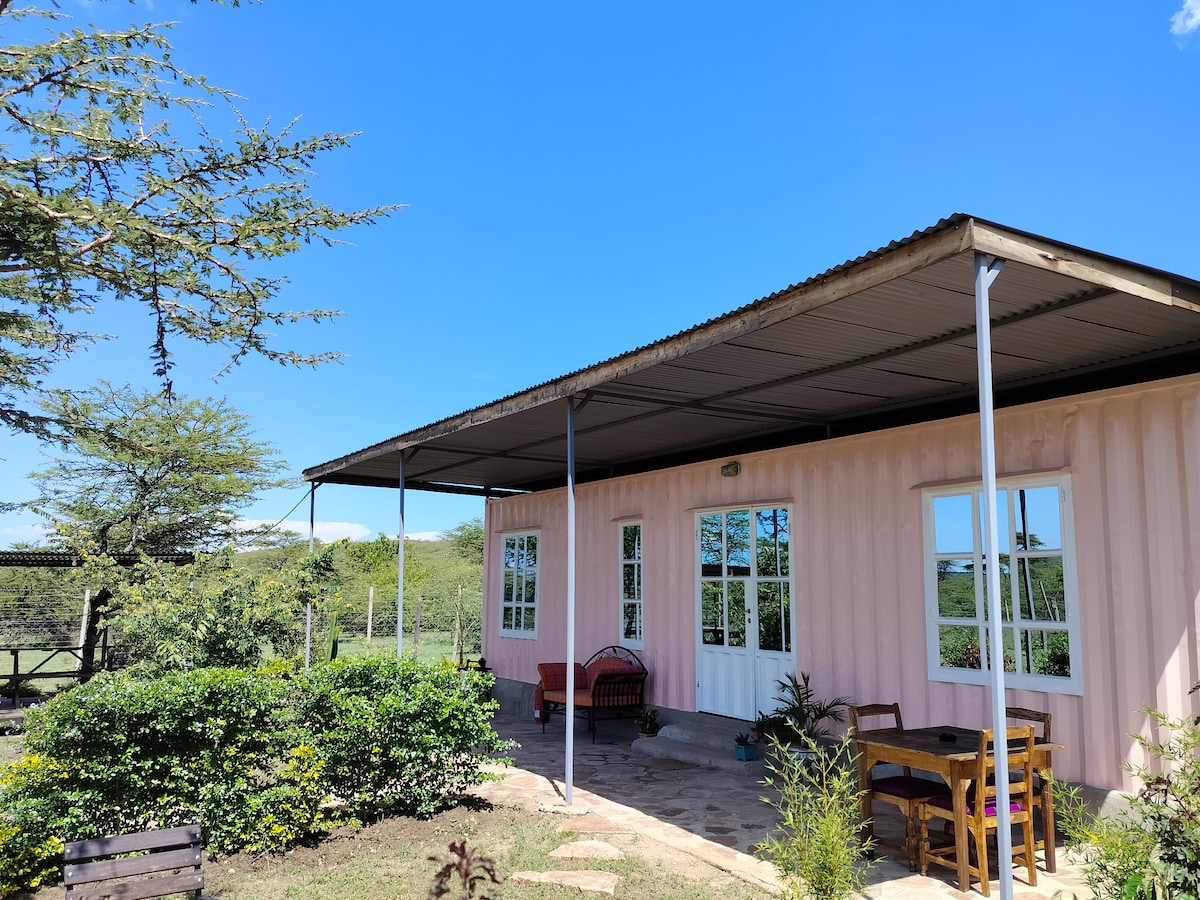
(171, 865)
(609, 685)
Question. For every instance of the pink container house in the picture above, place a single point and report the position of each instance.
(798, 486)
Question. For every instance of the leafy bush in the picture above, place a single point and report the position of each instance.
(1153, 849)
(818, 849)
(263, 758)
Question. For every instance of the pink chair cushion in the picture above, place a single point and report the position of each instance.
(909, 787)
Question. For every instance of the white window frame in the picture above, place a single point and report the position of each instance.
(637, 602)
(1006, 490)
(520, 573)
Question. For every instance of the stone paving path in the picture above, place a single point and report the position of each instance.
(715, 816)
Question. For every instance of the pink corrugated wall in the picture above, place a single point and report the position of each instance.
(1134, 459)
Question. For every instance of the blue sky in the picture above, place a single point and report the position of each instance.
(587, 177)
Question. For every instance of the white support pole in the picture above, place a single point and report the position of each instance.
(312, 535)
(570, 724)
(984, 276)
(400, 570)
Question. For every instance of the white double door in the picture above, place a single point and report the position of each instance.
(744, 606)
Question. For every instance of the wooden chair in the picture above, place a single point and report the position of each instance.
(1024, 714)
(904, 791)
(981, 809)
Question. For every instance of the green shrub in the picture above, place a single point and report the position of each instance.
(257, 756)
(817, 849)
(398, 736)
(1153, 849)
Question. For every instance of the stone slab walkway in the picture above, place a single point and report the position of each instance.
(715, 816)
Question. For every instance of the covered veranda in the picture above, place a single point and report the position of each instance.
(960, 318)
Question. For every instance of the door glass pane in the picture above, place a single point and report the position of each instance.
(712, 550)
(712, 612)
(737, 543)
(956, 588)
(787, 616)
(770, 615)
(958, 646)
(737, 614)
(771, 542)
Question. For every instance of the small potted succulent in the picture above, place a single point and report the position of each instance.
(745, 747)
(647, 722)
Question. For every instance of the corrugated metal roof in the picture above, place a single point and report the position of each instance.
(880, 340)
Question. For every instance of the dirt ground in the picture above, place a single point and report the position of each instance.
(390, 859)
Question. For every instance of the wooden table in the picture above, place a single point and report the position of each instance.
(955, 761)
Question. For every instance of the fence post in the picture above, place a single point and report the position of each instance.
(458, 636)
(370, 614)
(417, 624)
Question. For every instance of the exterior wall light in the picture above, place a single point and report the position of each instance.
(730, 470)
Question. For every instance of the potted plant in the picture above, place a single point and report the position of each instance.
(745, 747)
(647, 722)
(800, 714)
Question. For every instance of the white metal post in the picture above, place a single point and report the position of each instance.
(312, 535)
(984, 276)
(570, 724)
(400, 570)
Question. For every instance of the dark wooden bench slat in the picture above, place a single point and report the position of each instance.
(147, 864)
(131, 843)
(138, 890)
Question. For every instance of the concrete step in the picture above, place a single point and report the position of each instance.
(701, 746)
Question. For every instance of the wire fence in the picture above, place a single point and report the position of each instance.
(40, 617)
(436, 628)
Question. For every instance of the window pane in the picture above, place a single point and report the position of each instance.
(958, 646)
(510, 553)
(770, 616)
(530, 621)
(530, 581)
(1047, 652)
(531, 550)
(771, 543)
(630, 589)
(712, 612)
(712, 551)
(631, 615)
(956, 588)
(508, 588)
(1040, 589)
(1037, 512)
(631, 542)
(737, 614)
(1005, 539)
(737, 543)
(952, 524)
(506, 620)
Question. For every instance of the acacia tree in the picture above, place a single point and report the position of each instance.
(148, 472)
(112, 188)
